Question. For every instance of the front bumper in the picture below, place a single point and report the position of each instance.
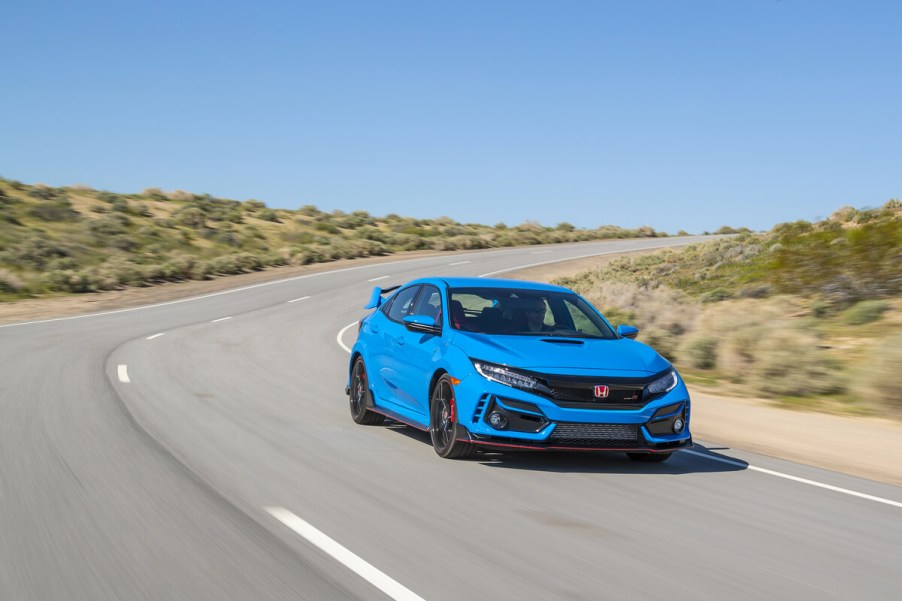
(532, 421)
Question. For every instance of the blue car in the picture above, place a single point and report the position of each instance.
(505, 364)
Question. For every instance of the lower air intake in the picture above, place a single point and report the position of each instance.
(595, 432)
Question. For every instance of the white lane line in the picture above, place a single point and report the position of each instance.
(753, 468)
(342, 333)
(123, 374)
(350, 560)
(381, 277)
(156, 335)
(460, 263)
(220, 319)
(722, 460)
(541, 252)
(610, 252)
(303, 277)
(294, 300)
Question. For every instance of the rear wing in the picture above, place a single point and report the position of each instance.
(376, 299)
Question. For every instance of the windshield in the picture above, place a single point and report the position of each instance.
(525, 313)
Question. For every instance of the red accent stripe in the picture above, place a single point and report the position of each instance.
(563, 448)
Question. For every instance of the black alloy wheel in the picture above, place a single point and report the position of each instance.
(443, 422)
(649, 457)
(358, 396)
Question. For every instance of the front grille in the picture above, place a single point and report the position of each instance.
(582, 395)
(597, 433)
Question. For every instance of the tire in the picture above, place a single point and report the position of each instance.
(649, 457)
(359, 395)
(443, 426)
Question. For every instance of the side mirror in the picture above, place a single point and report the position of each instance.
(422, 323)
(628, 331)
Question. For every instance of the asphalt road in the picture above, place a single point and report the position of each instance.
(203, 450)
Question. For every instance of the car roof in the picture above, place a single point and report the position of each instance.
(488, 283)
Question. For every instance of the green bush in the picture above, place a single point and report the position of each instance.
(879, 376)
(701, 352)
(865, 312)
(662, 341)
(269, 215)
(58, 209)
(788, 363)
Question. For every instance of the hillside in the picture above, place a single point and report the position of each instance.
(808, 313)
(76, 239)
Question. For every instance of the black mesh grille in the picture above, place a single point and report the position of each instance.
(612, 436)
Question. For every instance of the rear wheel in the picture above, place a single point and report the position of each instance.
(359, 394)
(649, 457)
(443, 422)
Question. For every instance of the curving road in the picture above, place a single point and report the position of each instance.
(202, 449)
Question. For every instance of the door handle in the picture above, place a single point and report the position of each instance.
(374, 329)
(400, 340)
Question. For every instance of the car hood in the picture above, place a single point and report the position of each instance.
(575, 356)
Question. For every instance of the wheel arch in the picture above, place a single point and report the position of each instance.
(438, 373)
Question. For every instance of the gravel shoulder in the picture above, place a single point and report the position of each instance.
(859, 446)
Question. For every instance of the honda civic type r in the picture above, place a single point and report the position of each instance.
(505, 364)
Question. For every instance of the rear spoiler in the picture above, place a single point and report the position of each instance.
(376, 297)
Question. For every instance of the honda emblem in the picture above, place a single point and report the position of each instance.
(601, 391)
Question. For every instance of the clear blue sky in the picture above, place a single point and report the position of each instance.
(676, 114)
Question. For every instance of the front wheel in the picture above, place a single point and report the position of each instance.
(443, 422)
(649, 457)
(359, 393)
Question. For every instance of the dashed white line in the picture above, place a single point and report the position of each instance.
(294, 300)
(342, 333)
(347, 558)
(753, 468)
(123, 374)
(156, 335)
(381, 277)
(460, 263)
(220, 319)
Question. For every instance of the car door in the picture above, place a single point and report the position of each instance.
(417, 352)
(384, 362)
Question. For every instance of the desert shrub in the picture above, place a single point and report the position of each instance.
(124, 243)
(109, 225)
(269, 215)
(179, 267)
(879, 377)
(34, 252)
(58, 209)
(43, 192)
(701, 352)
(617, 316)
(791, 363)
(8, 215)
(155, 194)
(865, 312)
(121, 271)
(189, 216)
(662, 341)
(253, 205)
(109, 197)
(9, 283)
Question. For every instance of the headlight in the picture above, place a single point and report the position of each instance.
(504, 375)
(666, 383)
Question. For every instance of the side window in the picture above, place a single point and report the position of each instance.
(430, 303)
(403, 303)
